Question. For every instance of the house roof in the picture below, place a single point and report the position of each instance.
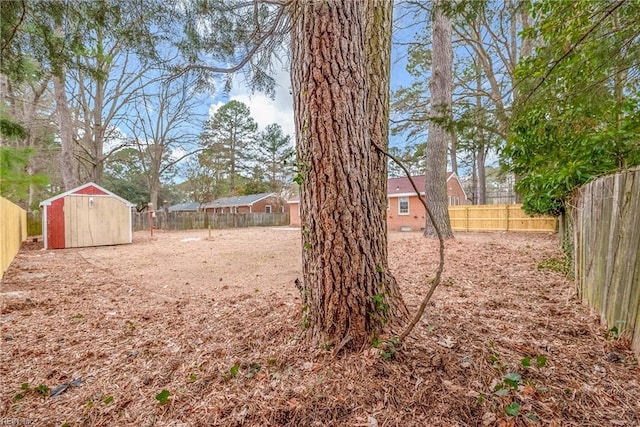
(189, 206)
(399, 186)
(48, 201)
(402, 186)
(234, 201)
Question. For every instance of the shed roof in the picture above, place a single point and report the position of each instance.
(48, 201)
(227, 202)
(189, 206)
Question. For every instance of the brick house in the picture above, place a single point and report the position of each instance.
(253, 203)
(403, 208)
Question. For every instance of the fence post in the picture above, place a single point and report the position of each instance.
(466, 218)
(507, 207)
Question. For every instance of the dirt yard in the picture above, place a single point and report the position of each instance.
(192, 330)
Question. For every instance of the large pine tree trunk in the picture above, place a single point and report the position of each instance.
(378, 30)
(349, 293)
(437, 142)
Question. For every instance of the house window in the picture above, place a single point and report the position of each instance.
(267, 209)
(403, 206)
(281, 209)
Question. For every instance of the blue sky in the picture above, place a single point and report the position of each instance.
(280, 109)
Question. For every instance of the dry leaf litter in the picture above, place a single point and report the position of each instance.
(187, 329)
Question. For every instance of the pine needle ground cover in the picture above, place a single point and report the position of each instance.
(188, 329)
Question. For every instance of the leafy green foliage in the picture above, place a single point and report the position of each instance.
(390, 348)
(42, 390)
(380, 308)
(613, 333)
(512, 380)
(512, 409)
(14, 179)
(11, 129)
(125, 176)
(512, 383)
(578, 115)
(233, 372)
(228, 139)
(163, 396)
(541, 361)
(219, 32)
(276, 156)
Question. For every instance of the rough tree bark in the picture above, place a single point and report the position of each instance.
(348, 292)
(440, 87)
(69, 163)
(378, 30)
(481, 150)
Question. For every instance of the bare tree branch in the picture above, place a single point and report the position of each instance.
(247, 57)
(15, 29)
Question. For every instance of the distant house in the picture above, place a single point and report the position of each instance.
(88, 215)
(253, 203)
(185, 207)
(403, 208)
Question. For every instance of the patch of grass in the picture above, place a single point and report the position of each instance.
(562, 265)
(42, 390)
(233, 372)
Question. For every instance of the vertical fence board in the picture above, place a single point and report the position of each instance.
(13, 231)
(622, 282)
(616, 235)
(607, 250)
(497, 218)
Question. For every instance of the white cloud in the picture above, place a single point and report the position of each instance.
(265, 110)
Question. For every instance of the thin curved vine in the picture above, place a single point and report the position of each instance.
(436, 280)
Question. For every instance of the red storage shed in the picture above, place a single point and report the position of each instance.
(88, 215)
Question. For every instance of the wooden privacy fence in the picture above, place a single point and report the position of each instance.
(13, 231)
(198, 220)
(497, 218)
(606, 235)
